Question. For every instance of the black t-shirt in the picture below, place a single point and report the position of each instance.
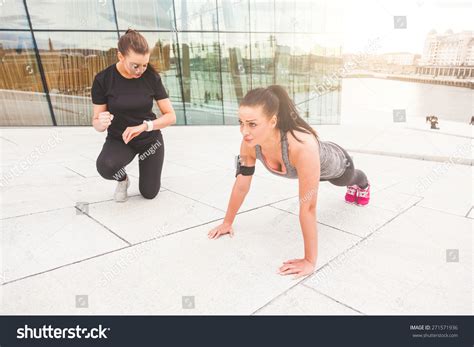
(129, 100)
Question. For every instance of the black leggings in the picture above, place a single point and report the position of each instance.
(115, 155)
(351, 176)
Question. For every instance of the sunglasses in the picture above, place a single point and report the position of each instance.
(138, 69)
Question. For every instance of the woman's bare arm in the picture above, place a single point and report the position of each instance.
(239, 192)
(168, 116)
(96, 123)
(305, 158)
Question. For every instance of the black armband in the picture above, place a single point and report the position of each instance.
(244, 170)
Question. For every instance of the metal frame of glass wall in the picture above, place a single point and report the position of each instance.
(209, 54)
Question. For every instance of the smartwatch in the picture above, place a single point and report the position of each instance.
(149, 125)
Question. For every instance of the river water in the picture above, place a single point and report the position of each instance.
(371, 100)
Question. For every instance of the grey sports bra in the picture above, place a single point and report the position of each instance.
(332, 159)
(290, 170)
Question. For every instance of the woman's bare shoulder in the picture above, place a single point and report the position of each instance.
(247, 150)
(307, 142)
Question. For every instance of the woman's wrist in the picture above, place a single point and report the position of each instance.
(312, 260)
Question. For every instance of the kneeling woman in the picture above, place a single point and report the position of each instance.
(274, 133)
(123, 95)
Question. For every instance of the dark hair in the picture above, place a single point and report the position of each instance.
(133, 40)
(275, 100)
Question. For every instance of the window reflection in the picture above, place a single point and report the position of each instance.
(236, 72)
(233, 15)
(200, 68)
(22, 98)
(145, 14)
(77, 14)
(315, 84)
(262, 15)
(196, 15)
(70, 61)
(209, 53)
(263, 63)
(13, 15)
(303, 16)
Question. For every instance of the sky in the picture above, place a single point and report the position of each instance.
(364, 20)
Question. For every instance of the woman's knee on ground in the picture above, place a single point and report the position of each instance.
(150, 191)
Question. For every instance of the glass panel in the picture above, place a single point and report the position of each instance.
(145, 14)
(309, 16)
(163, 58)
(201, 78)
(333, 22)
(71, 60)
(262, 15)
(196, 15)
(217, 68)
(234, 15)
(284, 61)
(263, 59)
(236, 76)
(22, 97)
(13, 15)
(315, 72)
(285, 16)
(77, 14)
(305, 16)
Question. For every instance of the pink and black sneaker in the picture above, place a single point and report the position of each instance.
(363, 195)
(351, 194)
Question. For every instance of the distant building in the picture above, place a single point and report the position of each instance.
(448, 55)
(449, 49)
(399, 58)
(395, 62)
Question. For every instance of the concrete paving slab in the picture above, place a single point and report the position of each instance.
(334, 211)
(224, 276)
(302, 300)
(421, 263)
(214, 187)
(140, 219)
(44, 241)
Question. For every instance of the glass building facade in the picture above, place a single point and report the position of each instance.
(209, 54)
